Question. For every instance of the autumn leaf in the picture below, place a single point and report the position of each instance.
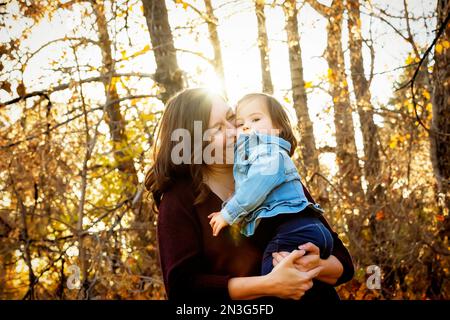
(185, 5)
(409, 60)
(440, 218)
(379, 215)
(439, 48)
(6, 86)
(20, 89)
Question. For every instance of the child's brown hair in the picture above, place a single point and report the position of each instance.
(278, 115)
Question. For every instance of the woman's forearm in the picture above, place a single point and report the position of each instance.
(332, 270)
(243, 288)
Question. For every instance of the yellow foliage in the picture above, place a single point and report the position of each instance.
(409, 60)
(393, 144)
(185, 5)
(330, 74)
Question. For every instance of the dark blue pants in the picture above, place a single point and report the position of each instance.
(300, 228)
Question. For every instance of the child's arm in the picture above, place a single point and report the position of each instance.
(266, 172)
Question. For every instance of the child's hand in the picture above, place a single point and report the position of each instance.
(217, 222)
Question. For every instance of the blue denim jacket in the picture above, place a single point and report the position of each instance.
(266, 182)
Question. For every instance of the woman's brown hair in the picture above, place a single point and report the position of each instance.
(278, 115)
(181, 111)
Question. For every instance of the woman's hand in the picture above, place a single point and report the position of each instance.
(331, 270)
(304, 263)
(287, 281)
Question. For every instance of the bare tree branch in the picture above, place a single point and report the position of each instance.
(74, 83)
(320, 8)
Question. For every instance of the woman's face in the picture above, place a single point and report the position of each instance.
(222, 130)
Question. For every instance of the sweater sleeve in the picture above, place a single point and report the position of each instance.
(339, 250)
(180, 252)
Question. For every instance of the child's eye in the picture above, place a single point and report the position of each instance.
(256, 119)
(239, 125)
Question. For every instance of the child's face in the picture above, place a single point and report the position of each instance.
(253, 116)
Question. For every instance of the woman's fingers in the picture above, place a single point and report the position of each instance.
(294, 282)
(310, 248)
(314, 272)
(294, 255)
(279, 256)
(276, 258)
(309, 261)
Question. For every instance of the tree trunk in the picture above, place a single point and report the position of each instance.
(307, 141)
(215, 42)
(116, 123)
(372, 163)
(168, 75)
(440, 127)
(263, 47)
(115, 120)
(347, 158)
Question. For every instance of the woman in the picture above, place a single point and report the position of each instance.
(195, 264)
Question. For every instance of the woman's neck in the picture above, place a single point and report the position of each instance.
(220, 180)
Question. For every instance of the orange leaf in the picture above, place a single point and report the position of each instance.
(440, 218)
(379, 216)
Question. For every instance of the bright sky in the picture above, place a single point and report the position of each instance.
(237, 32)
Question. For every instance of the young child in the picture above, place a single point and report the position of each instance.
(267, 182)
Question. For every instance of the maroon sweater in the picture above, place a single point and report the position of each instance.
(196, 265)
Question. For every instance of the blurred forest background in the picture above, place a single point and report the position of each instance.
(83, 85)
